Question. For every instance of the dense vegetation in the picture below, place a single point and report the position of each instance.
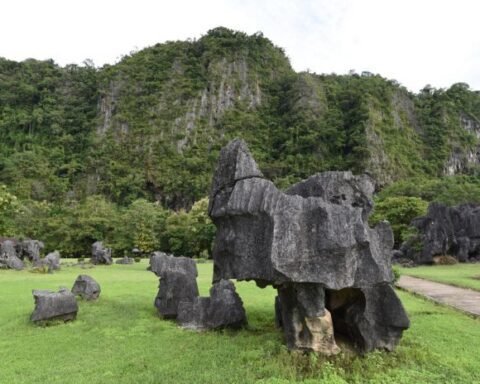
(84, 148)
(120, 339)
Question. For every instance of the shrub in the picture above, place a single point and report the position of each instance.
(396, 273)
(444, 260)
(137, 259)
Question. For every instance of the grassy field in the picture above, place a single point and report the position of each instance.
(461, 275)
(119, 339)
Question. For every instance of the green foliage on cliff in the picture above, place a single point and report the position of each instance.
(149, 129)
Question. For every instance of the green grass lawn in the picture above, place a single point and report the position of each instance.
(461, 275)
(119, 339)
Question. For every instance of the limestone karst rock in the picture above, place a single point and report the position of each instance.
(49, 305)
(52, 261)
(8, 256)
(86, 287)
(314, 245)
(30, 249)
(453, 231)
(100, 254)
(222, 309)
(178, 282)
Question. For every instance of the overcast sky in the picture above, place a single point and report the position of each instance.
(415, 42)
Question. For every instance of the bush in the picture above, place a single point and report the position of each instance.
(396, 273)
(444, 260)
(399, 211)
(137, 259)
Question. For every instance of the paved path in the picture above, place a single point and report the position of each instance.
(465, 300)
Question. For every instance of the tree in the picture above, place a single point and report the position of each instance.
(399, 211)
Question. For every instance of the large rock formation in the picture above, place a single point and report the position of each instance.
(314, 245)
(178, 282)
(8, 256)
(453, 231)
(222, 309)
(86, 287)
(100, 254)
(50, 305)
(30, 249)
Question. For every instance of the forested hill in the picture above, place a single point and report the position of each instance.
(152, 125)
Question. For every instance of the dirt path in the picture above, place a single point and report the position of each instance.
(465, 300)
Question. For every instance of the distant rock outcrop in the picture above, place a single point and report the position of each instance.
(453, 231)
(313, 243)
(8, 256)
(101, 254)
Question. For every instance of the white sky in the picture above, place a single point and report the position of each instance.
(416, 42)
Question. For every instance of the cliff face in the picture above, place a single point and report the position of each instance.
(152, 124)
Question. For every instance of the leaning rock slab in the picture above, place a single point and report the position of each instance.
(50, 305)
(308, 242)
(86, 287)
(178, 282)
(101, 254)
(223, 309)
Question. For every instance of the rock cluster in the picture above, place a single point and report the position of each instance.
(178, 296)
(223, 308)
(8, 256)
(86, 287)
(50, 305)
(13, 253)
(313, 243)
(101, 254)
(453, 231)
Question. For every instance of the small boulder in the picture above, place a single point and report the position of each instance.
(100, 254)
(223, 309)
(86, 287)
(50, 305)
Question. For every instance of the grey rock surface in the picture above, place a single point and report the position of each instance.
(101, 254)
(453, 231)
(86, 287)
(178, 282)
(49, 305)
(308, 241)
(223, 309)
(30, 249)
(52, 261)
(8, 256)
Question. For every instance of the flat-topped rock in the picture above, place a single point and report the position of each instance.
(50, 305)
